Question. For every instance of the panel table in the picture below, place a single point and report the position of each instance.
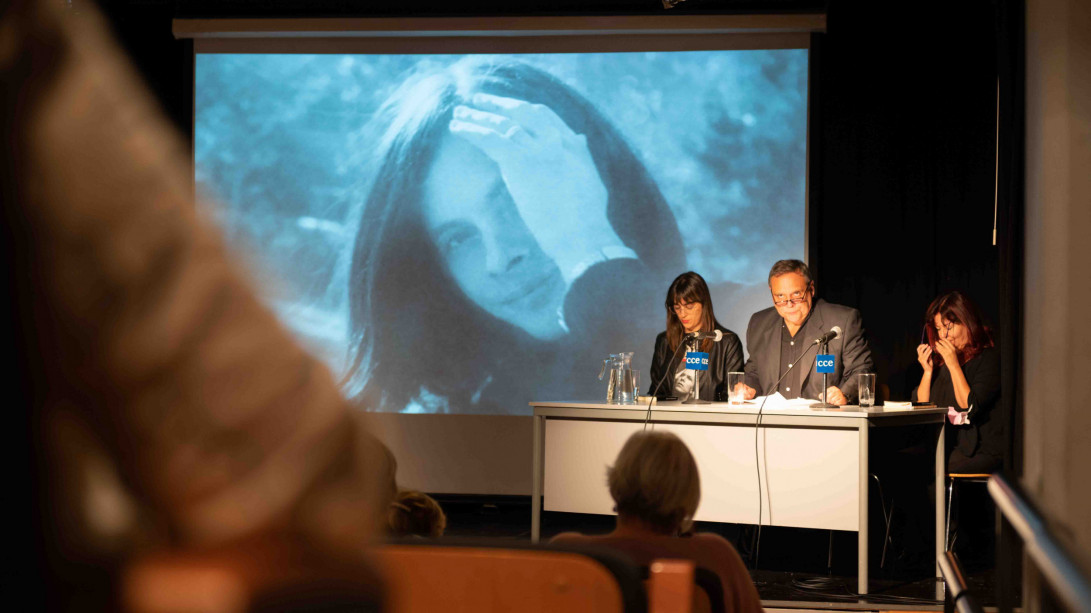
(812, 463)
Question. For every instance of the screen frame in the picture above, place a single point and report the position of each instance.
(498, 27)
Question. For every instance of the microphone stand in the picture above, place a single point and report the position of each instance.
(696, 397)
(666, 372)
(824, 404)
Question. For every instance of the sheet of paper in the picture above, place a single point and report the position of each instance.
(777, 401)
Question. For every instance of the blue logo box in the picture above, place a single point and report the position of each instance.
(697, 360)
(824, 363)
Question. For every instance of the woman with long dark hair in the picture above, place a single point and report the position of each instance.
(689, 309)
(962, 370)
(505, 243)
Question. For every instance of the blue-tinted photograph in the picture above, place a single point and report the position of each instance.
(466, 234)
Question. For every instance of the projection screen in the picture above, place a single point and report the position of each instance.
(458, 227)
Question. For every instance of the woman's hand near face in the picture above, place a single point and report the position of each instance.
(549, 171)
(924, 357)
(947, 351)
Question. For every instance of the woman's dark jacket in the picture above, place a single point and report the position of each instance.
(724, 357)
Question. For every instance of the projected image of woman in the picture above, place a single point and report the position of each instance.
(509, 237)
(689, 309)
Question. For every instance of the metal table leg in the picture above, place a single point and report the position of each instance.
(862, 540)
(537, 478)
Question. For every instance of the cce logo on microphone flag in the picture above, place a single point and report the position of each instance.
(696, 360)
(824, 363)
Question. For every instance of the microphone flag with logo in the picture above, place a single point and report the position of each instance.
(697, 360)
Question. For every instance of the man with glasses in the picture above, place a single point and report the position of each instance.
(778, 340)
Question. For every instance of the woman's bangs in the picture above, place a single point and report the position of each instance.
(688, 295)
(950, 313)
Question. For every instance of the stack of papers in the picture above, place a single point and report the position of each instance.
(897, 405)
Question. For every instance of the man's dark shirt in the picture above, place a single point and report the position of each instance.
(790, 350)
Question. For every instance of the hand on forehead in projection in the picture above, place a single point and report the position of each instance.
(549, 171)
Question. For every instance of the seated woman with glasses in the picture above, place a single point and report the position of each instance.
(656, 489)
(689, 309)
(966, 377)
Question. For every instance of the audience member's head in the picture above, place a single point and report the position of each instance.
(655, 481)
(416, 514)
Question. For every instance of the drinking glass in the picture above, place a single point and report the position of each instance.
(733, 380)
(636, 385)
(866, 383)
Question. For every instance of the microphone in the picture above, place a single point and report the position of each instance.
(715, 335)
(829, 336)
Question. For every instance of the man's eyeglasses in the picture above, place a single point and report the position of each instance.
(794, 299)
(685, 308)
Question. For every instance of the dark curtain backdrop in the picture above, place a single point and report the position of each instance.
(1010, 49)
(904, 169)
(904, 139)
(903, 144)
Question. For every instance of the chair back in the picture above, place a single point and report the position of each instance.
(481, 578)
(708, 582)
(671, 589)
(703, 591)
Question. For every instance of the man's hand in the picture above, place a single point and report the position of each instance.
(748, 393)
(834, 396)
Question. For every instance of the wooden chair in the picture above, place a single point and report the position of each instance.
(414, 577)
(473, 577)
(953, 480)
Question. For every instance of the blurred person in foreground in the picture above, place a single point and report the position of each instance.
(656, 489)
(170, 414)
(415, 514)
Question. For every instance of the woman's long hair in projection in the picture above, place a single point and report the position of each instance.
(414, 336)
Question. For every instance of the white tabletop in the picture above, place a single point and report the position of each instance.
(747, 408)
